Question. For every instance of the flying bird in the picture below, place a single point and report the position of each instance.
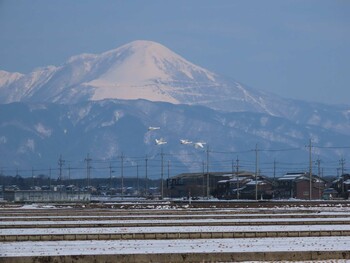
(153, 128)
(199, 145)
(185, 141)
(160, 141)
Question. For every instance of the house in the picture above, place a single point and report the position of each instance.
(244, 185)
(194, 184)
(342, 186)
(297, 185)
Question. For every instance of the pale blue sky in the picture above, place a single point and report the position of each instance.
(294, 48)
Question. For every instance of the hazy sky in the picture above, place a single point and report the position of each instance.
(294, 48)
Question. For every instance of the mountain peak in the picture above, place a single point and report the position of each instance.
(145, 70)
(144, 44)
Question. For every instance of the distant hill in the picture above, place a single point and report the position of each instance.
(35, 135)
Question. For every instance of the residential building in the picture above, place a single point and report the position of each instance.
(297, 185)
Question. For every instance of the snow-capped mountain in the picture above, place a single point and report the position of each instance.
(138, 70)
(148, 70)
(103, 104)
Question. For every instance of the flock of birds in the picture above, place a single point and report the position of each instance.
(182, 141)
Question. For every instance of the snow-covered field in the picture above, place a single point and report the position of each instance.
(172, 229)
(308, 220)
(17, 249)
(172, 221)
(179, 216)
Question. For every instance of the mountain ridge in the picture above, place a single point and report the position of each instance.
(34, 135)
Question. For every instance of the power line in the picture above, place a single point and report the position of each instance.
(331, 147)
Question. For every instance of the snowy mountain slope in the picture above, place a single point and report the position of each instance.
(34, 135)
(6, 78)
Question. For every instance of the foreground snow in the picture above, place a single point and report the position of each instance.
(173, 229)
(169, 222)
(93, 247)
(217, 214)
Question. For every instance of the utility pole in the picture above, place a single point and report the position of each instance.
(162, 174)
(228, 191)
(256, 172)
(232, 171)
(168, 169)
(168, 181)
(203, 179)
(137, 179)
(310, 170)
(274, 178)
(208, 179)
(110, 175)
(146, 176)
(33, 178)
(88, 170)
(232, 168)
(323, 183)
(122, 173)
(318, 162)
(342, 163)
(69, 172)
(50, 177)
(237, 170)
(60, 165)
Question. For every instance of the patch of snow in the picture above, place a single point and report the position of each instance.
(116, 117)
(84, 111)
(248, 96)
(315, 119)
(29, 144)
(36, 206)
(81, 57)
(44, 131)
(6, 78)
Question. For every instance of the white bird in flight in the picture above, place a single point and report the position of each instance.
(153, 128)
(160, 141)
(199, 145)
(185, 141)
